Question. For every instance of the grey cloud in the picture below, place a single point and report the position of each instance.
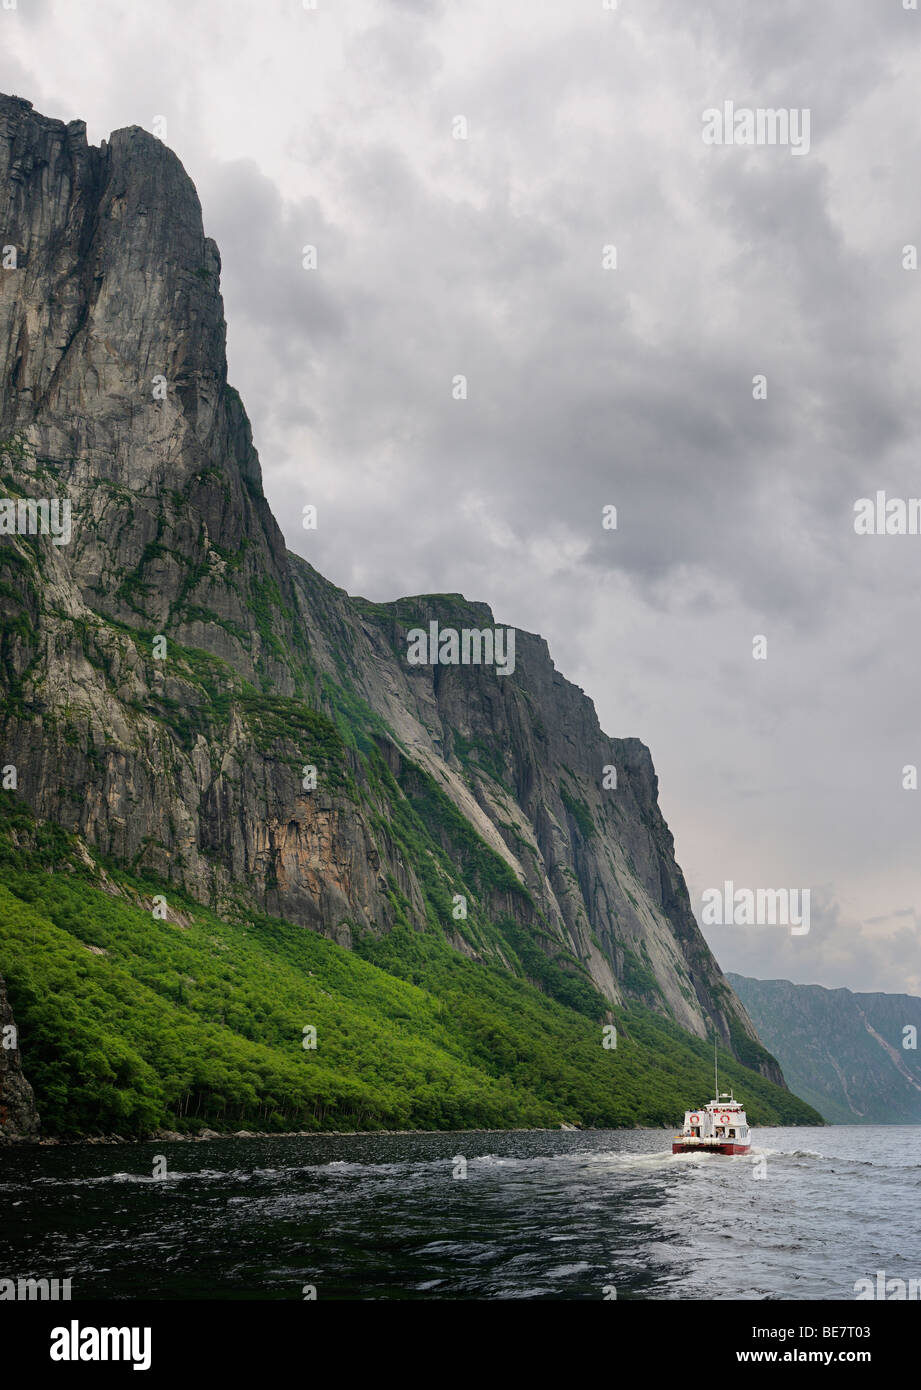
(836, 952)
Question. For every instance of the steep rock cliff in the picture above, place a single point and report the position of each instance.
(187, 761)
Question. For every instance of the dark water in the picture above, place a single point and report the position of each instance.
(539, 1215)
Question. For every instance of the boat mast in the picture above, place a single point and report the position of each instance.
(716, 1076)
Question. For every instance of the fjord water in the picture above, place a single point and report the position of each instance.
(538, 1215)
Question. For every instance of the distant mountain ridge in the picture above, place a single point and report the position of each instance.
(842, 1052)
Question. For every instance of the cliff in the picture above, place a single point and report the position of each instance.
(184, 759)
(853, 1056)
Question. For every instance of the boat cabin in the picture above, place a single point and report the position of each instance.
(722, 1120)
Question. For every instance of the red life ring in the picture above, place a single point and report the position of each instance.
(724, 1119)
(695, 1120)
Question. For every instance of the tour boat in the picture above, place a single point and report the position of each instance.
(718, 1128)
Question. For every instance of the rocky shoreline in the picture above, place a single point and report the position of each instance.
(172, 1136)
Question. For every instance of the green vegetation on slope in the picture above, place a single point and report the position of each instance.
(128, 1021)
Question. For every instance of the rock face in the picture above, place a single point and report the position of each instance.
(853, 1056)
(172, 671)
(18, 1118)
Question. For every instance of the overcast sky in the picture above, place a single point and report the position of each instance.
(631, 386)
